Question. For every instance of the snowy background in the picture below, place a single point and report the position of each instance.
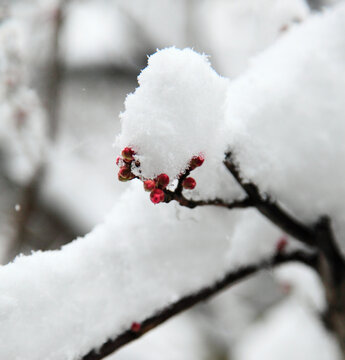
(66, 68)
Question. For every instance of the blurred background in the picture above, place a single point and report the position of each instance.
(65, 69)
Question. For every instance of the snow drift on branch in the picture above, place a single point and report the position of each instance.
(286, 120)
(58, 305)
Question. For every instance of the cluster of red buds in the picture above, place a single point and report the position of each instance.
(125, 164)
(155, 186)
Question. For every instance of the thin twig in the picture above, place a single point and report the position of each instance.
(178, 196)
(188, 301)
(183, 201)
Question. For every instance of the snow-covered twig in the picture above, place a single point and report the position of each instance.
(188, 301)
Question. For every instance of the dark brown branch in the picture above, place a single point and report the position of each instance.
(190, 300)
(329, 248)
(179, 187)
(172, 195)
(271, 209)
(331, 264)
(331, 267)
(183, 201)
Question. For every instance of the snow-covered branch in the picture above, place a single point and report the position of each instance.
(271, 209)
(146, 263)
(136, 330)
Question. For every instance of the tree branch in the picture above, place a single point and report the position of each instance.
(330, 264)
(188, 301)
(183, 201)
(270, 209)
(329, 248)
(331, 267)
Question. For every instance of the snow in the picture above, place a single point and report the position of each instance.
(141, 259)
(253, 237)
(176, 113)
(289, 105)
(176, 109)
(285, 120)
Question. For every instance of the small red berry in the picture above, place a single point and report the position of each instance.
(149, 185)
(157, 196)
(136, 327)
(127, 154)
(125, 174)
(162, 180)
(281, 244)
(196, 162)
(189, 183)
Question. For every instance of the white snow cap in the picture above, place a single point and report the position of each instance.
(175, 113)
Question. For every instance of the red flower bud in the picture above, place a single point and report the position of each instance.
(157, 196)
(149, 185)
(162, 180)
(281, 244)
(189, 183)
(136, 327)
(127, 154)
(196, 162)
(125, 174)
